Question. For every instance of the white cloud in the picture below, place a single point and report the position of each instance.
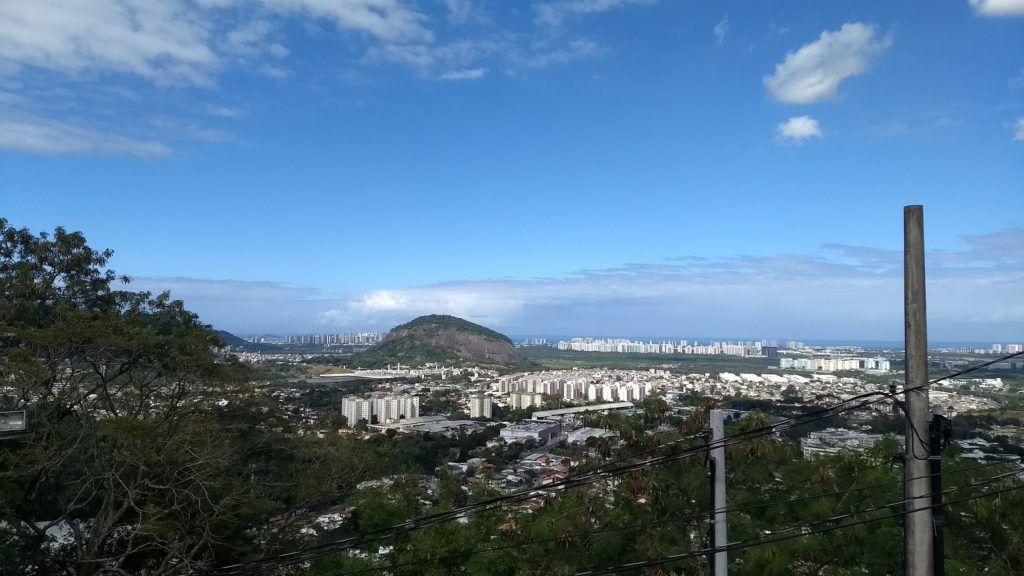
(248, 38)
(720, 30)
(278, 50)
(164, 41)
(222, 111)
(465, 12)
(41, 135)
(798, 129)
(998, 7)
(388, 20)
(847, 292)
(813, 73)
(1019, 134)
(553, 13)
(245, 307)
(579, 49)
(1017, 81)
(842, 292)
(428, 59)
(464, 74)
(275, 72)
(467, 301)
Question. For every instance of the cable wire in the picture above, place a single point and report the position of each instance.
(687, 518)
(703, 515)
(761, 542)
(596, 473)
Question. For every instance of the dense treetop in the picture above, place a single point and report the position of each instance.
(437, 322)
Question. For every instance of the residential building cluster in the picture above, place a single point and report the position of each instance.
(382, 409)
(995, 349)
(523, 400)
(878, 364)
(580, 386)
(344, 339)
(622, 345)
(1008, 349)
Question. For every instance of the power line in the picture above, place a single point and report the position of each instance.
(572, 482)
(762, 542)
(680, 519)
(594, 474)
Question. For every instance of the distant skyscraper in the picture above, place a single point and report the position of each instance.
(356, 409)
(479, 407)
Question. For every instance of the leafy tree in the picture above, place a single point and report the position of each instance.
(131, 453)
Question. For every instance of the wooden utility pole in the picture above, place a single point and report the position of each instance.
(719, 537)
(918, 543)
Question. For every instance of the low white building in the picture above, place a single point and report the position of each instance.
(539, 430)
(832, 440)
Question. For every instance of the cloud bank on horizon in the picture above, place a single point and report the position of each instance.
(843, 292)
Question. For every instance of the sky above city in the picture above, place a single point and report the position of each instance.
(574, 167)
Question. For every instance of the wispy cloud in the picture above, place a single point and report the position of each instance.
(813, 73)
(798, 129)
(845, 291)
(461, 12)
(998, 7)
(24, 133)
(166, 42)
(720, 30)
(387, 20)
(223, 111)
(1019, 133)
(465, 74)
(840, 291)
(243, 306)
(188, 45)
(553, 13)
(544, 57)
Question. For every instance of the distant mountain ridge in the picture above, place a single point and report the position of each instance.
(230, 339)
(442, 339)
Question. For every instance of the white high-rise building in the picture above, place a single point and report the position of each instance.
(524, 400)
(356, 409)
(386, 409)
(571, 391)
(479, 407)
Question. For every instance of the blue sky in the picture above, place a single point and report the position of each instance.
(616, 167)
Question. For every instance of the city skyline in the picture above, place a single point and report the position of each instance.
(551, 167)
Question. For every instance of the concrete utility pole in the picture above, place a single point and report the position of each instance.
(720, 559)
(918, 544)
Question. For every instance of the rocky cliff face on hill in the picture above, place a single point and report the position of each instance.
(446, 340)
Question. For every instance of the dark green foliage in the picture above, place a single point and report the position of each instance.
(405, 351)
(157, 454)
(230, 339)
(434, 323)
(440, 339)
